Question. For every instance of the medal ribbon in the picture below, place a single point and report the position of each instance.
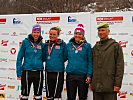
(35, 46)
(50, 48)
(78, 46)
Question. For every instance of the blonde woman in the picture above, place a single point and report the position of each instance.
(56, 55)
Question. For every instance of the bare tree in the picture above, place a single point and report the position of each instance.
(61, 6)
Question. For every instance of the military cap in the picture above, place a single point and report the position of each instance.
(103, 25)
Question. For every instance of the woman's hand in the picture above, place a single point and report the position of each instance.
(88, 80)
(19, 78)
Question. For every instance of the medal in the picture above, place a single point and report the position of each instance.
(35, 50)
(50, 50)
(48, 57)
(35, 47)
(76, 51)
(77, 48)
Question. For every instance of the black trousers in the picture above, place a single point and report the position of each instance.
(29, 77)
(104, 96)
(54, 84)
(74, 82)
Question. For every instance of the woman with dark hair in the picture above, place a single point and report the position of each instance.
(31, 69)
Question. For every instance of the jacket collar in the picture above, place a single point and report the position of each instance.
(105, 43)
(59, 41)
(72, 40)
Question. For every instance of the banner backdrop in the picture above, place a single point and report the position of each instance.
(14, 28)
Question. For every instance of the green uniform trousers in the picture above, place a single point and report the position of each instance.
(104, 96)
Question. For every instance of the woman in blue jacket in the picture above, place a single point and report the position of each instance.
(79, 68)
(29, 65)
(56, 55)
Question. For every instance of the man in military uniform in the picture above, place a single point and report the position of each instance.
(108, 66)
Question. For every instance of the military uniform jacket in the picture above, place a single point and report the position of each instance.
(108, 66)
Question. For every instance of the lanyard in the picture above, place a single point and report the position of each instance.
(50, 48)
(77, 48)
(37, 47)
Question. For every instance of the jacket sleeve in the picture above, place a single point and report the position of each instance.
(90, 66)
(19, 59)
(43, 52)
(65, 52)
(119, 59)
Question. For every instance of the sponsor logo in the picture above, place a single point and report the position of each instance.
(17, 21)
(23, 33)
(131, 63)
(130, 73)
(2, 95)
(3, 59)
(19, 96)
(72, 19)
(12, 60)
(2, 20)
(4, 33)
(13, 51)
(110, 20)
(123, 43)
(110, 23)
(132, 53)
(46, 32)
(2, 87)
(131, 84)
(122, 94)
(3, 69)
(13, 43)
(131, 94)
(10, 96)
(69, 33)
(113, 34)
(118, 18)
(14, 34)
(123, 33)
(125, 73)
(43, 32)
(4, 42)
(18, 88)
(124, 83)
(11, 87)
(131, 45)
(4, 51)
(131, 35)
(125, 63)
(125, 54)
(3, 77)
(61, 32)
(11, 69)
(47, 20)
(11, 78)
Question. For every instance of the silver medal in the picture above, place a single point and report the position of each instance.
(48, 57)
(35, 50)
(76, 51)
